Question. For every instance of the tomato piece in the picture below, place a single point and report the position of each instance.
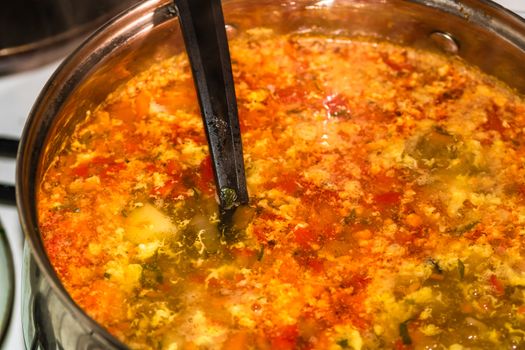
(286, 338)
(259, 233)
(291, 94)
(305, 237)
(289, 184)
(111, 169)
(497, 285)
(493, 123)
(205, 180)
(316, 265)
(103, 167)
(172, 167)
(336, 106)
(151, 168)
(387, 198)
(81, 171)
(206, 170)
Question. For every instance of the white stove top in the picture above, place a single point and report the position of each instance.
(514, 5)
(17, 94)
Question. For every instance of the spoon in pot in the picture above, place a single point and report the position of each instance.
(204, 33)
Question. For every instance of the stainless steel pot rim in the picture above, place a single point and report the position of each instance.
(7, 281)
(122, 29)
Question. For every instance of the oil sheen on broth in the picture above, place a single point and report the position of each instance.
(387, 205)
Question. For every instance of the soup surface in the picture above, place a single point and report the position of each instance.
(387, 205)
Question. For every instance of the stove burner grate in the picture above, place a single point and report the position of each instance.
(8, 149)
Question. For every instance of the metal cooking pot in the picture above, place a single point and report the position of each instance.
(479, 31)
(36, 32)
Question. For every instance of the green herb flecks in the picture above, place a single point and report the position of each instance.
(260, 253)
(350, 218)
(294, 111)
(403, 333)
(343, 343)
(228, 198)
(151, 275)
(466, 228)
(435, 266)
(461, 269)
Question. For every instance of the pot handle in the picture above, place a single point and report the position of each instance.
(8, 149)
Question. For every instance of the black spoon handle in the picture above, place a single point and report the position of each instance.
(206, 43)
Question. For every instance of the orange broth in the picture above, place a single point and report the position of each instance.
(387, 205)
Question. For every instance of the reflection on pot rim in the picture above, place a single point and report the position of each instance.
(7, 279)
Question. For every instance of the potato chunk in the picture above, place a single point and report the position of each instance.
(147, 224)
